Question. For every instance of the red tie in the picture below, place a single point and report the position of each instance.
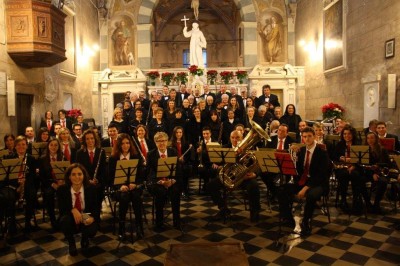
(280, 146)
(163, 156)
(48, 125)
(143, 148)
(304, 176)
(179, 148)
(63, 123)
(78, 204)
(91, 157)
(67, 155)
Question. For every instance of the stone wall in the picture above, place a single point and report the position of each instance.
(369, 25)
(32, 81)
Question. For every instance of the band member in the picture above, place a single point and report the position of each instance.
(344, 175)
(382, 133)
(9, 143)
(280, 142)
(93, 158)
(26, 179)
(179, 143)
(145, 143)
(250, 184)
(207, 169)
(313, 167)
(290, 118)
(124, 149)
(49, 182)
(378, 158)
(161, 188)
(78, 207)
(112, 131)
(158, 124)
(67, 145)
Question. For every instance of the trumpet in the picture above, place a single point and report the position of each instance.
(183, 155)
(200, 166)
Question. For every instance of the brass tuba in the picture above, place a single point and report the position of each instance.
(232, 175)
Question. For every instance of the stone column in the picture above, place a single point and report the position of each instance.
(249, 43)
(144, 45)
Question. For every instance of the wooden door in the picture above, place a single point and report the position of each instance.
(24, 112)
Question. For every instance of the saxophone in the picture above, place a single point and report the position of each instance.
(233, 174)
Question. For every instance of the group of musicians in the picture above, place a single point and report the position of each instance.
(80, 194)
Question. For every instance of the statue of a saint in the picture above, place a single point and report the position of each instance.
(272, 36)
(121, 36)
(195, 5)
(197, 43)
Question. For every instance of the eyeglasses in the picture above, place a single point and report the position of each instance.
(162, 140)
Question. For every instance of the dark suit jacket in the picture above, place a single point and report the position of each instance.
(106, 142)
(273, 99)
(340, 150)
(152, 160)
(320, 167)
(65, 205)
(43, 123)
(45, 171)
(30, 172)
(150, 144)
(82, 157)
(68, 124)
(204, 96)
(273, 144)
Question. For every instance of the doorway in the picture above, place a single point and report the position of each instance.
(24, 104)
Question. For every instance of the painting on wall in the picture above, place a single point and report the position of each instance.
(122, 42)
(334, 36)
(68, 67)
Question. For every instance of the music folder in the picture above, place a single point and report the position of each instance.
(267, 161)
(388, 143)
(286, 163)
(10, 168)
(359, 154)
(166, 167)
(125, 171)
(59, 168)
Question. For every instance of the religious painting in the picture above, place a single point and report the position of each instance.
(334, 45)
(271, 30)
(389, 48)
(68, 67)
(122, 42)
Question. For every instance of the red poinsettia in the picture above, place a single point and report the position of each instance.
(195, 70)
(74, 113)
(153, 74)
(241, 74)
(332, 109)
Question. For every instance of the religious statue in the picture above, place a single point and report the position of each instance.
(272, 35)
(195, 5)
(121, 36)
(197, 43)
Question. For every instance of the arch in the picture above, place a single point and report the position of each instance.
(247, 11)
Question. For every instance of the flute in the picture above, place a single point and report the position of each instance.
(97, 167)
(183, 155)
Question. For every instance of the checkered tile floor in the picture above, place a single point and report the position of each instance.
(356, 241)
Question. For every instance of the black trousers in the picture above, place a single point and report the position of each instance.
(215, 189)
(286, 197)
(30, 201)
(357, 184)
(49, 196)
(134, 196)
(69, 228)
(207, 174)
(161, 195)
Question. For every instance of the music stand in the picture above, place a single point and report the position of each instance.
(222, 156)
(38, 149)
(287, 167)
(9, 170)
(125, 173)
(59, 168)
(359, 154)
(4, 153)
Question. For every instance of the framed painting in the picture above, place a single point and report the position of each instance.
(68, 67)
(389, 48)
(334, 36)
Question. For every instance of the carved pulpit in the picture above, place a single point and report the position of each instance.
(35, 33)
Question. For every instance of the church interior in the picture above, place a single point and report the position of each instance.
(84, 55)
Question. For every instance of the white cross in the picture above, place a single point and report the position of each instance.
(184, 20)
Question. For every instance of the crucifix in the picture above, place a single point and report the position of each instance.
(184, 20)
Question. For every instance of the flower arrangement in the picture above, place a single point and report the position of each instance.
(195, 70)
(73, 114)
(167, 77)
(332, 109)
(182, 77)
(241, 75)
(153, 74)
(212, 76)
(226, 76)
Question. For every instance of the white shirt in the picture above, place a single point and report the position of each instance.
(311, 150)
(283, 143)
(82, 196)
(165, 153)
(128, 156)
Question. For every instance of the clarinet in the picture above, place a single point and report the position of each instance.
(97, 167)
(221, 129)
(21, 180)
